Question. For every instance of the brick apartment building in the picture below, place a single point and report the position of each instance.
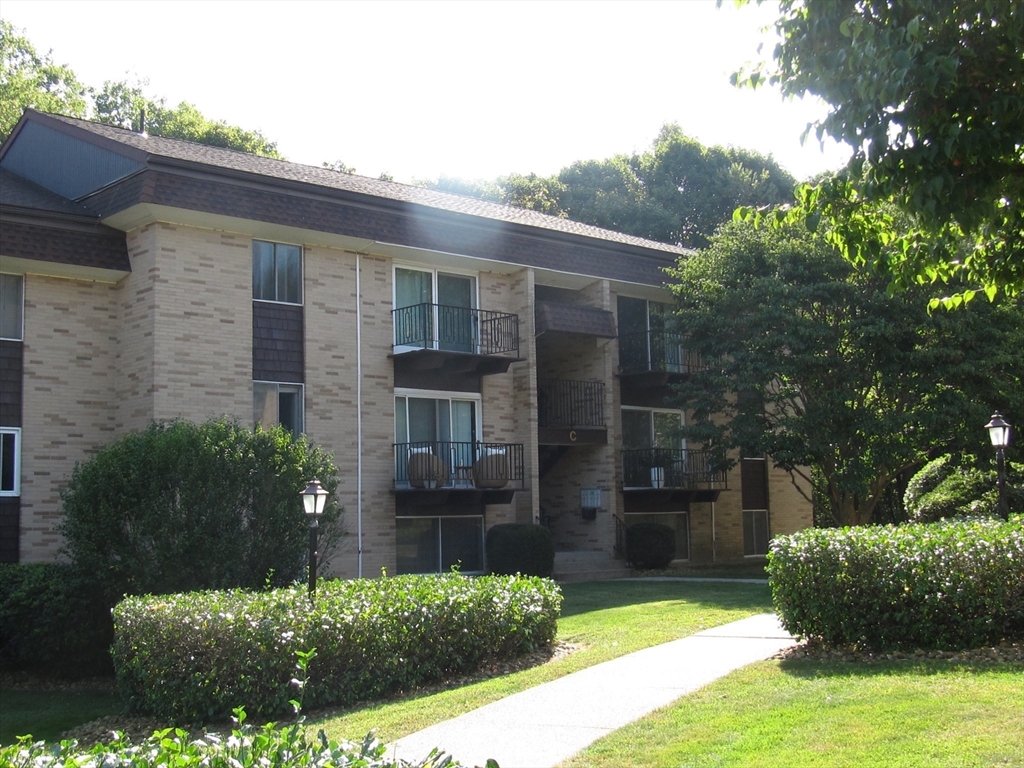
(467, 363)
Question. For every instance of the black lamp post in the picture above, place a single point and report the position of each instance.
(314, 498)
(999, 432)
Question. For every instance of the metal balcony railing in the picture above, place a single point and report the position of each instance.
(467, 465)
(656, 351)
(572, 404)
(456, 329)
(670, 468)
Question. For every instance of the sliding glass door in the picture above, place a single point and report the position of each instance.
(435, 310)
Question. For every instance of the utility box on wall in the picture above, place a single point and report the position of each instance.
(590, 502)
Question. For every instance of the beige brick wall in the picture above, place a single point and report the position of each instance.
(69, 391)
(332, 405)
(185, 344)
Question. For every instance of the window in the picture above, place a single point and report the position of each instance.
(276, 272)
(445, 425)
(10, 461)
(12, 307)
(282, 404)
(653, 453)
(435, 544)
(434, 310)
(648, 338)
(754, 483)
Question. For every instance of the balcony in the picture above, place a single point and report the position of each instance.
(655, 358)
(440, 472)
(680, 473)
(441, 338)
(570, 412)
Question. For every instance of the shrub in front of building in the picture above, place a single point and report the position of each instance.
(951, 585)
(196, 656)
(650, 545)
(520, 548)
(52, 622)
(216, 496)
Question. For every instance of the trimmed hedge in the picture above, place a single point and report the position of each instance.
(193, 657)
(53, 620)
(650, 545)
(520, 548)
(952, 585)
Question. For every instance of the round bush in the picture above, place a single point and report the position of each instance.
(650, 545)
(520, 548)
(182, 506)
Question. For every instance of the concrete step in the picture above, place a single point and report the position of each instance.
(588, 566)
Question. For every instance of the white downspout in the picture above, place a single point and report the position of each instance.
(359, 416)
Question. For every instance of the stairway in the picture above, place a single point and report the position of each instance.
(588, 566)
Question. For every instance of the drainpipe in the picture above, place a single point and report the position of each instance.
(714, 534)
(359, 416)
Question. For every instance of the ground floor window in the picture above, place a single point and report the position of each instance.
(10, 461)
(435, 544)
(677, 521)
(274, 403)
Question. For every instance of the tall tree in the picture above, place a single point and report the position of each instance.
(930, 95)
(30, 80)
(834, 373)
(122, 103)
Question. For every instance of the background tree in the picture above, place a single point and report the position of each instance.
(122, 103)
(930, 95)
(30, 80)
(835, 374)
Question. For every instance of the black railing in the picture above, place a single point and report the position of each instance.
(660, 351)
(670, 468)
(563, 403)
(445, 464)
(456, 329)
(621, 542)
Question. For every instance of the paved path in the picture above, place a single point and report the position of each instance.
(542, 726)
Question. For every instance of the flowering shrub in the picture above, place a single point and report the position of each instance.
(951, 585)
(246, 747)
(195, 656)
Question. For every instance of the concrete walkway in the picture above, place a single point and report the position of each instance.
(542, 726)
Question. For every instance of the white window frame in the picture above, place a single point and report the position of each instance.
(278, 384)
(767, 516)
(302, 271)
(433, 272)
(440, 394)
(16, 489)
(21, 309)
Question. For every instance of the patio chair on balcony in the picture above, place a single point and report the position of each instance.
(426, 470)
(491, 470)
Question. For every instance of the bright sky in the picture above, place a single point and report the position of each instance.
(423, 89)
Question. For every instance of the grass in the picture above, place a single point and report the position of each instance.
(47, 714)
(809, 713)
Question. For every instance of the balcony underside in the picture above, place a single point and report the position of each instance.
(461, 497)
(444, 361)
(657, 496)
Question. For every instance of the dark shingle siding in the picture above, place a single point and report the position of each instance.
(277, 343)
(10, 528)
(102, 247)
(11, 367)
(574, 318)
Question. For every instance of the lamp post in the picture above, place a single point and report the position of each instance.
(314, 498)
(999, 433)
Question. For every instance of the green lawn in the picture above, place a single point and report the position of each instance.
(901, 714)
(47, 714)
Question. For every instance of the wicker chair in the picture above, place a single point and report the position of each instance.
(426, 470)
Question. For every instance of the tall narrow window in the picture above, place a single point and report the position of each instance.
(12, 307)
(10, 461)
(276, 272)
(754, 483)
(274, 403)
(648, 337)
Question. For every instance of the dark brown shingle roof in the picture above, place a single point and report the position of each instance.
(231, 160)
